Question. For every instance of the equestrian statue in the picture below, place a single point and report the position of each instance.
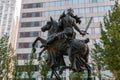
(62, 41)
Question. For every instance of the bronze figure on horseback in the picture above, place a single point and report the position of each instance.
(61, 41)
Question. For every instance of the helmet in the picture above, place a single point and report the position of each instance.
(70, 10)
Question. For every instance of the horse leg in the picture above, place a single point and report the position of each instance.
(33, 45)
(40, 39)
(88, 69)
(55, 73)
(39, 57)
(70, 55)
(65, 67)
(52, 74)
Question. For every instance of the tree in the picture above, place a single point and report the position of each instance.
(97, 59)
(17, 70)
(110, 40)
(76, 76)
(29, 66)
(7, 57)
(44, 69)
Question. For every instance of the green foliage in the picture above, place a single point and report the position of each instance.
(76, 76)
(29, 66)
(17, 71)
(97, 57)
(109, 48)
(4, 49)
(44, 69)
(7, 57)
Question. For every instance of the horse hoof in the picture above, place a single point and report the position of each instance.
(33, 50)
(60, 72)
(39, 58)
(89, 78)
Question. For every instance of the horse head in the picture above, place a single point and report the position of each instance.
(51, 26)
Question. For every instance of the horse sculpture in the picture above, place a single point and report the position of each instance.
(77, 51)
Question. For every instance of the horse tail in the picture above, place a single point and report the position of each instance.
(86, 53)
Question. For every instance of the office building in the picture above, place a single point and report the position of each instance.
(6, 16)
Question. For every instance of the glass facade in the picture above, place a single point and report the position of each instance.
(25, 56)
(26, 45)
(32, 24)
(32, 14)
(6, 16)
(61, 3)
(29, 34)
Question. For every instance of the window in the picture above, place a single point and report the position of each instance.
(37, 14)
(29, 15)
(25, 6)
(34, 34)
(41, 13)
(75, 1)
(34, 5)
(26, 15)
(58, 12)
(51, 13)
(87, 1)
(63, 3)
(47, 13)
(57, 3)
(22, 56)
(33, 14)
(87, 10)
(81, 1)
(31, 24)
(24, 34)
(81, 10)
(87, 19)
(52, 4)
(95, 9)
(70, 2)
(100, 19)
(36, 24)
(95, 19)
(100, 0)
(94, 1)
(23, 45)
(29, 34)
(101, 9)
(107, 8)
(39, 5)
(26, 45)
(26, 24)
(25, 56)
(76, 10)
(47, 4)
(97, 30)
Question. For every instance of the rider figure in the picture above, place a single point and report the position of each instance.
(66, 22)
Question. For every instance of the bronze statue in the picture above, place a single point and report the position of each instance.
(61, 41)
